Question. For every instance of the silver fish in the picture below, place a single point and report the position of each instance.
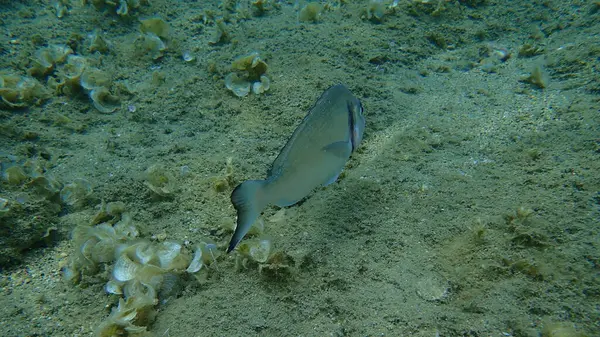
(314, 156)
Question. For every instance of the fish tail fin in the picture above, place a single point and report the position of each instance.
(248, 200)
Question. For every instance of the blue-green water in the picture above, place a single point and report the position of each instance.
(470, 209)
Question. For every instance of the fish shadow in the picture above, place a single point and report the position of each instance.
(343, 212)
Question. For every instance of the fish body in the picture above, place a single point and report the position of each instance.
(315, 155)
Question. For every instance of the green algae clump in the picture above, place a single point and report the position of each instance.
(18, 92)
(156, 26)
(221, 34)
(160, 181)
(249, 75)
(46, 59)
(121, 7)
(29, 207)
(76, 76)
(374, 12)
(97, 43)
(15, 175)
(155, 31)
(310, 13)
(140, 271)
(76, 193)
(150, 44)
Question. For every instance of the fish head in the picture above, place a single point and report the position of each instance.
(357, 122)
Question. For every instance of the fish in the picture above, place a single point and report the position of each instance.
(314, 155)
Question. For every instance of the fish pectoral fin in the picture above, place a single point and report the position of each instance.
(339, 149)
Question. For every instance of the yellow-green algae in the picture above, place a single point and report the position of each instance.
(21, 91)
(120, 7)
(141, 269)
(249, 75)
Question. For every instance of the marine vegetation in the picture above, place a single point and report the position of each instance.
(249, 75)
(150, 44)
(311, 12)
(31, 200)
(259, 253)
(121, 7)
(260, 7)
(538, 77)
(142, 270)
(66, 73)
(78, 76)
(374, 11)
(156, 26)
(21, 91)
(160, 181)
(221, 33)
(46, 59)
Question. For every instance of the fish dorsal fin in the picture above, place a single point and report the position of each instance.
(319, 109)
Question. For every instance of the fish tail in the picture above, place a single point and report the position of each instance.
(248, 200)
